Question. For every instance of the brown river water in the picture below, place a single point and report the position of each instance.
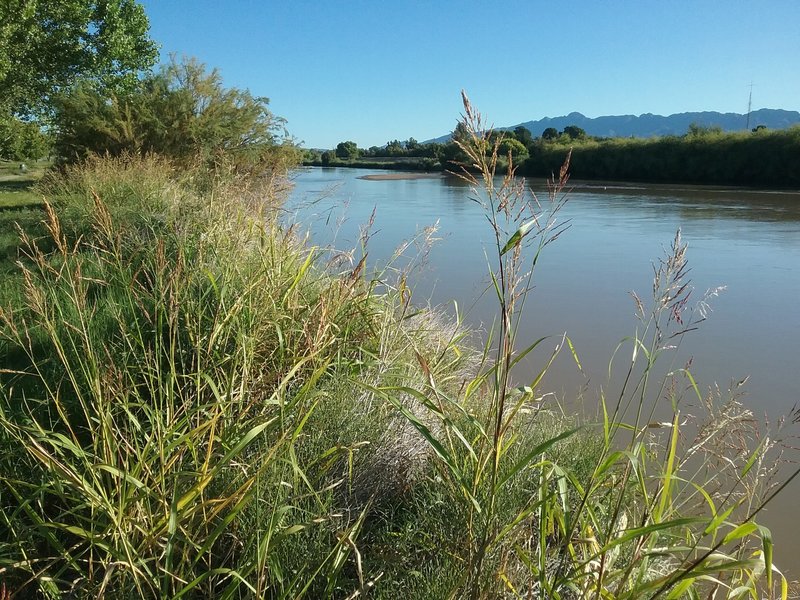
(745, 240)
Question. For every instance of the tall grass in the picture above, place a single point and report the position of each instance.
(172, 406)
(762, 158)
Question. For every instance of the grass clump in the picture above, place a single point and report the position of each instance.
(173, 393)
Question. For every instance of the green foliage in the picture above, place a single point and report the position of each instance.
(347, 150)
(696, 130)
(22, 140)
(44, 46)
(523, 135)
(514, 147)
(395, 148)
(183, 112)
(574, 132)
(768, 158)
(550, 133)
(177, 415)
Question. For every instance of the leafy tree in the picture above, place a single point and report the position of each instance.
(395, 148)
(523, 135)
(574, 132)
(696, 130)
(347, 150)
(46, 45)
(413, 147)
(22, 140)
(432, 150)
(460, 133)
(182, 112)
(550, 133)
(327, 157)
(513, 146)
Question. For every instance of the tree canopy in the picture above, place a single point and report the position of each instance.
(183, 112)
(514, 147)
(46, 45)
(21, 140)
(347, 149)
(550, 133)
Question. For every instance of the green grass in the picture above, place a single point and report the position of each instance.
(18, 195)
(16, 187)
(20, 206)
(194, 403)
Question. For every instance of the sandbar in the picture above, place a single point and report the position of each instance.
(387, 176)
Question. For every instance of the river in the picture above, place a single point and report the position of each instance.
(745, 240)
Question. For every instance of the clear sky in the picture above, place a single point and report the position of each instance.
(377, 70)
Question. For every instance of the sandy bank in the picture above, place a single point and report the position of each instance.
(387, 176)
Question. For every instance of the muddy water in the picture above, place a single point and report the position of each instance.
(745, 240)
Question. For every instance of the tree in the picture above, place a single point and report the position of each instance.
(22, 140)
(513, 146)
(550, 133)
(523, 135)
(460, 133)
(182, 112)
(46, 46)
(697, 130)
(347, 150)
(574, 132)
(413, 147)
(395, 148)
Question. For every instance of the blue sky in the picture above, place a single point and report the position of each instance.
(373, 71)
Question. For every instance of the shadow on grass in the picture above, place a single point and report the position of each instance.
(18, 194)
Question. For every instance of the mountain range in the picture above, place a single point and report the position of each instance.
(648, 125)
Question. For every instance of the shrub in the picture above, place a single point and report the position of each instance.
(183, 113)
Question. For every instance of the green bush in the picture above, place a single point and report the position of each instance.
(176, 403)
(183, 113)
(765, 158)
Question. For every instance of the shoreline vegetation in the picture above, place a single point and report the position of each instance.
(195, 401)
(704, 156)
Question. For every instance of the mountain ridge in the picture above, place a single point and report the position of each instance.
(650, 125)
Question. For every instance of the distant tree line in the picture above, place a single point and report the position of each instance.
(702, 155)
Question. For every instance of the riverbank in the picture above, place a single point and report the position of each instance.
(190, 391)
(762, 158)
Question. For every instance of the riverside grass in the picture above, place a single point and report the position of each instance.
(195, 403)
